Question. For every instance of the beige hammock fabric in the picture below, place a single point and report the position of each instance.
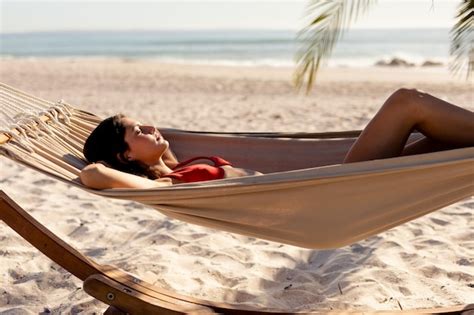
(306, 198)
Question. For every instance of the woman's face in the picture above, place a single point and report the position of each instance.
(145, 143)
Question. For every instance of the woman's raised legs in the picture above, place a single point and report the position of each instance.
(443, 124)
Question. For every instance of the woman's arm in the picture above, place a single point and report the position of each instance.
(231, 172)
(99, 176)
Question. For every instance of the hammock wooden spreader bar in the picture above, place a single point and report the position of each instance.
(306, 197)
(127, 293)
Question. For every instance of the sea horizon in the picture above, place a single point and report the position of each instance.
(252, 47)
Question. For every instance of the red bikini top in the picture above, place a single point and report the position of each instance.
(199, 172)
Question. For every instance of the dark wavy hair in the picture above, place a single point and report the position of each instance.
(107, 144)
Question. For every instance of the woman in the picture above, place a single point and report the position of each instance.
(131, 155)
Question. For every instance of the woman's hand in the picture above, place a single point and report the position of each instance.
(232, 172)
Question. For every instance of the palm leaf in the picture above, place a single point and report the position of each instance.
(327, 21)
(462, 39)
(329, 18)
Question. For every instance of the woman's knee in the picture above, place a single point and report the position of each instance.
(406, 94)
(405, 99)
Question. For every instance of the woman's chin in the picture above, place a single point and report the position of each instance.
(162, 146)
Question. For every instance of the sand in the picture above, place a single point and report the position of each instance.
(428, 262)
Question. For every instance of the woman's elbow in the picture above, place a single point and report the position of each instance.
(91, 176)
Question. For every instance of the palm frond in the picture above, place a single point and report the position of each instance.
(327, 21)
(462, 39)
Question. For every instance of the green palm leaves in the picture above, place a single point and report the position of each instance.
(462, 39)
(329, 18)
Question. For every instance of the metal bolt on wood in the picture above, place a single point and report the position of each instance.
(110, 296)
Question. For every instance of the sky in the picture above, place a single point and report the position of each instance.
(87, 15)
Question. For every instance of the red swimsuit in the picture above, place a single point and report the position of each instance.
(199, 172)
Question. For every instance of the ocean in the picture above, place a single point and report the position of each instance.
(358, 47)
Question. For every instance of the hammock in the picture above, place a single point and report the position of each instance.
(306, 197)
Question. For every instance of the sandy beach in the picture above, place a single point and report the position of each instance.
(428, 262)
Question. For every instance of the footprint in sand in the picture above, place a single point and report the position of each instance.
(469, 205)
(163, 239)
(96, 252)
(460, 276)
(439, 222)
(432, 271)
(81, 231)
(464, 262)
(405, 291)
(43, 182)
(88, 205)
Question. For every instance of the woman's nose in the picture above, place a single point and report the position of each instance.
(150, 129)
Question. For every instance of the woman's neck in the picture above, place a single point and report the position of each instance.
(162, 167)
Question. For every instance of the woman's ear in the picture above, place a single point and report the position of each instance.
(124, 157)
